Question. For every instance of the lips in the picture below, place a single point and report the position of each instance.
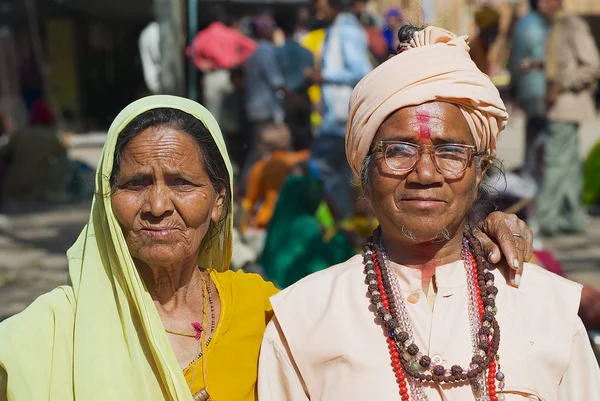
(425, 202)
(423, 199)
(158, 232)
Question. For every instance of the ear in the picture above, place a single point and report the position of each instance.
(219, 204)
(486, 162)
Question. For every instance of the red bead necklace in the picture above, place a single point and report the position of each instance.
(393, 350)
(394, 354)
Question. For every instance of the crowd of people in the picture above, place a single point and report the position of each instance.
(280, 94)
(556, 66)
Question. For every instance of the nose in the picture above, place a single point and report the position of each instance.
(425, 172)
(158, 201)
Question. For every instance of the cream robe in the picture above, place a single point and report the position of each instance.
(325, 342)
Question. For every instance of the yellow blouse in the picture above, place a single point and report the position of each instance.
(228, 369)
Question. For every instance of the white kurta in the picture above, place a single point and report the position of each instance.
(325, 342)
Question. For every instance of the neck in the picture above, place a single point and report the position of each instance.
(421, 255)
(173, 286)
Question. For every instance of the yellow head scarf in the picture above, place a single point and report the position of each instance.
(101, 338)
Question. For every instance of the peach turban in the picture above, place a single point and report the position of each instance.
(436, 67)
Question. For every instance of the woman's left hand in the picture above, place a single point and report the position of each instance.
(506, 235)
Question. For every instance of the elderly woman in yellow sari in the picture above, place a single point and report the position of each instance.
(138, 311)
(150, 312)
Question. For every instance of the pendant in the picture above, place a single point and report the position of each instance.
(201, 395)
(198, 328)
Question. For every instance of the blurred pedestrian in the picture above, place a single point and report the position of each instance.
(267, 175)
(288, 258)
(488, 23)
(302, 23)
(38, 166)
(345, 60)
(265, 87)
(393, 22)
(376, 40)
(572, 69)
(529, 80)
(233, 119)
(294, 60)
(216, 50)
(149, 45)
(359, 9)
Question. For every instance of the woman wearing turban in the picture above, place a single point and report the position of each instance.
(421, 315)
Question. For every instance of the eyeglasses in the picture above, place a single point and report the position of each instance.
(450, 160)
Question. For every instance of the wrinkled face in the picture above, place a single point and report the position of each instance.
(164, 200)
(423, 205)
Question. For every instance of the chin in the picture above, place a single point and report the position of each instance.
(423, 231)
(157, 255)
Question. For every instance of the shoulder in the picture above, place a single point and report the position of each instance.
(539, 322)
(307, 54)
(241, 282)
(266, 49)
(245, 305)
(577, 24)
(539, 283)
(46, 311)
(537, 280)
(37, 337)
(349, 24)
(543, 299)
(315, 290)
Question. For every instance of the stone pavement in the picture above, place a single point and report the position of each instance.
(580, 254)
(32, 250)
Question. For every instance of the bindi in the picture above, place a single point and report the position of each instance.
(424, 129)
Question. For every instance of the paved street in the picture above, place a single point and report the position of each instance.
(32, 251)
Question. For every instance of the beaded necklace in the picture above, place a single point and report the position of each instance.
(407, 360)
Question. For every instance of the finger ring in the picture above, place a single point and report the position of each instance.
(517, 235)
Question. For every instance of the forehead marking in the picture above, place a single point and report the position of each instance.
(424, 129)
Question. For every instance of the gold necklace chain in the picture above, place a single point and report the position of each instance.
(180, 334)
(207, 298)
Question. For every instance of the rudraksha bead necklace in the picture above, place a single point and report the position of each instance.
(407, 360)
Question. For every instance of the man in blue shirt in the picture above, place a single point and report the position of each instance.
(264, 88)
(264, 79)
(345, 61)
(527, 67)
(295, 61)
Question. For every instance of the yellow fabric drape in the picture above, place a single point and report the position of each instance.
(101, 338)
(233, 351)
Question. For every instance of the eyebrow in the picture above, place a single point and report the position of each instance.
(169, 174)
(435, 140)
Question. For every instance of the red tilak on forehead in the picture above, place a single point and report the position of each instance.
(424, 130)
(423, 117)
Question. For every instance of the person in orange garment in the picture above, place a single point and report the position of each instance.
(268, 174)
